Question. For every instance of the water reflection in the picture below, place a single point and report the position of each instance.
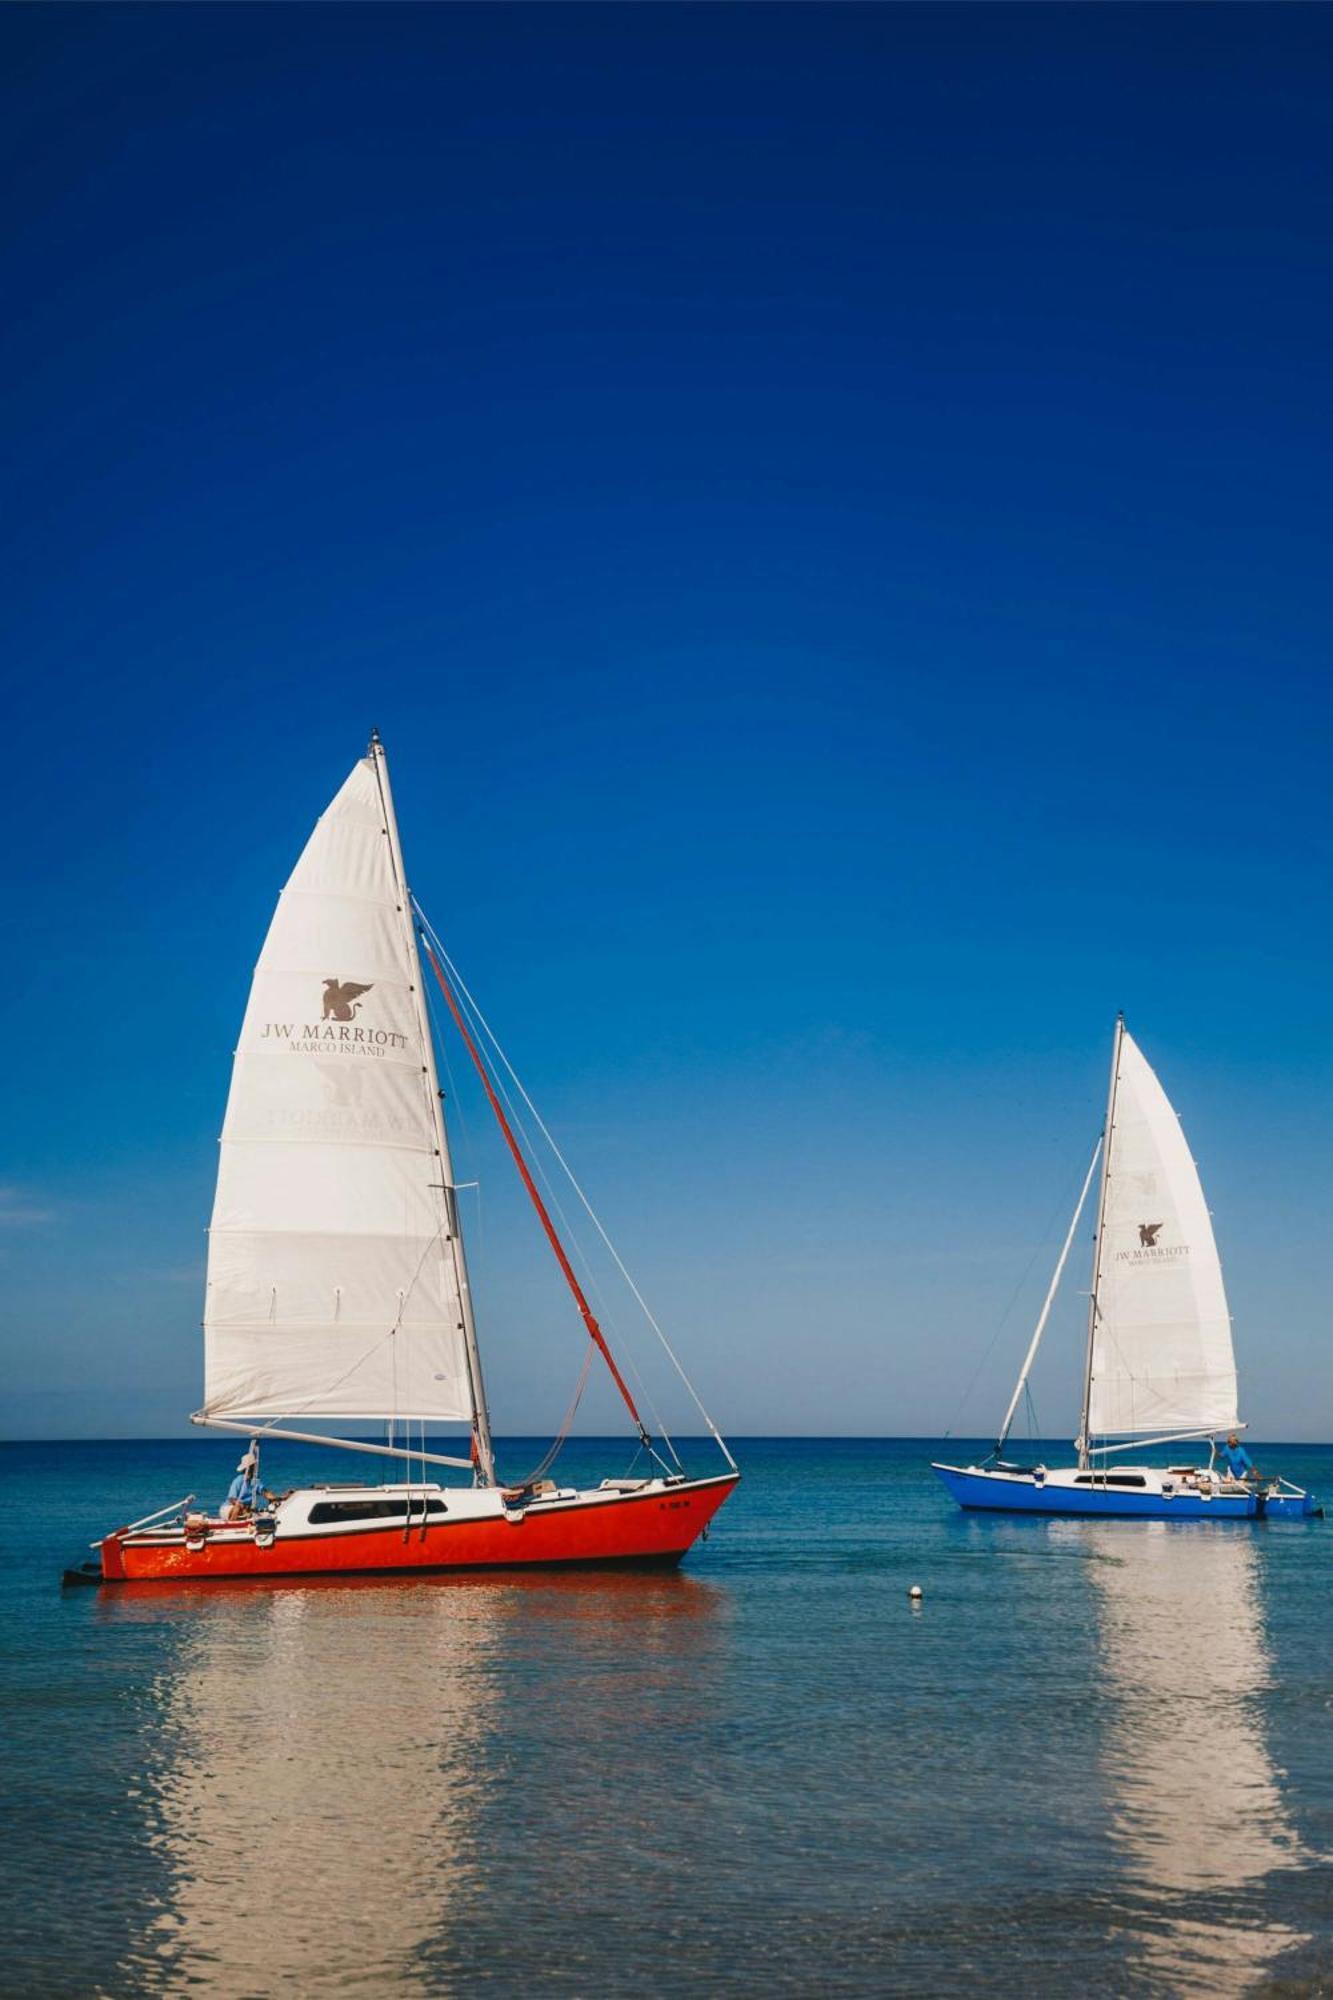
(1197, 1813)
(335, 1764)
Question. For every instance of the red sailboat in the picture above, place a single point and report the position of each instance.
(337, 1278)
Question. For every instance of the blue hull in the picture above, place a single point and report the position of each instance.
(1026, 1496)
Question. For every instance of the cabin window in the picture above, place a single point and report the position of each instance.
(1109, 1479)
(325, 1511)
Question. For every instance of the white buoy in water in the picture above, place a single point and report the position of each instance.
(915, 1592)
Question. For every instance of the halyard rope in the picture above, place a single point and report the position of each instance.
(593, 1217)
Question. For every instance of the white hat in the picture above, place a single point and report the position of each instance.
(249, 1462)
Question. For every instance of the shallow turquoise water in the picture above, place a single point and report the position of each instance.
(1100, 1755)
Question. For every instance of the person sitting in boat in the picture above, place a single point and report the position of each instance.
(245, 1496)
(1238, 1461)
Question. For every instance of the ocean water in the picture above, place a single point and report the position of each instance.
(1098, 1757)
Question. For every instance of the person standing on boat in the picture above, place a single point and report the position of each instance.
(245, 1495)
(1238, 1461)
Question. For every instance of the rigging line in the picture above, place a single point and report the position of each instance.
(589, 1319)
(567, 1230)
(1051, 1290)
(590, 1278)
(259, 1430)
(442, 1050)
(535, 1161)
(393, 1391)
(562, 1434)
(1034, 1421)
(533, 1155)
(570, 1234)
(630, 1358)
(566, 1227)
(590, 1275)
(963, 1400)
(392, 1332)
(471, 1150)
(592, 1213)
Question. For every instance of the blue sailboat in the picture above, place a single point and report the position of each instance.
(1160, 1366)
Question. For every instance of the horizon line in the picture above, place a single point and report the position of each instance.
(618, 1437)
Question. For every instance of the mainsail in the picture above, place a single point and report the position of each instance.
(335, 1282)
(1161, 1357)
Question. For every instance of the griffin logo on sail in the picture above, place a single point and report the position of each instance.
(1149, 1250)
(338, 999)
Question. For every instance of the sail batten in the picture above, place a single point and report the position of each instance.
(1161, 1354)
(333, 1286)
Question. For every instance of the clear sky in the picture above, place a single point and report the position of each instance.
(829, 509)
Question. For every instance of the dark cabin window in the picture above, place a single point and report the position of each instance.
(325, 1511)
(1110, 1479)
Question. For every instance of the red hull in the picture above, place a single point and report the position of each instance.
(640, 1527)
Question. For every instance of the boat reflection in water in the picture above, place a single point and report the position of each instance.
(1198, 1816)
(337, 1761)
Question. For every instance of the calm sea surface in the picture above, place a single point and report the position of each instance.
(1099, 1757)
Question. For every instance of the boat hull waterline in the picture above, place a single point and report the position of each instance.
(473, 1529)
(1162, 1497)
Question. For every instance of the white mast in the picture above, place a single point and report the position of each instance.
(1107, 1134)
(480, 1415)
(1045, 1313)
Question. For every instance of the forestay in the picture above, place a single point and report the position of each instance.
(1162, 1356)
(333, 1287)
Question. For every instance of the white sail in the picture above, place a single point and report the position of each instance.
(1162, 1357)
(333, 1286)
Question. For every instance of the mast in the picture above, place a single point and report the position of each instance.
(1107, 1136)
(481, 1423)
(1049, 1301)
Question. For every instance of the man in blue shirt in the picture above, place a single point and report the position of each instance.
(245, 1495)
(1238, 1461)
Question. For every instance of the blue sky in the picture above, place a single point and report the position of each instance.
(828, 508)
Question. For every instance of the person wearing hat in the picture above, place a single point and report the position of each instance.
(245, 1496)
